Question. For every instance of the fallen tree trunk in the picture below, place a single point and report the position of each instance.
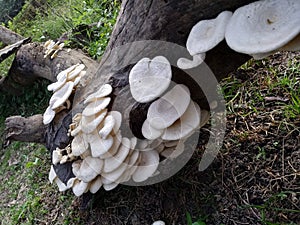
(164, 20)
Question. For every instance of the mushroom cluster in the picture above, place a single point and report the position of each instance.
(67, 80)
(265, 27)
(52, 48)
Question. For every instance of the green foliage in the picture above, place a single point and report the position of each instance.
(200, 221)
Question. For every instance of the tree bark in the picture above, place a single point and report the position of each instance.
(164, 20)
(9, 37)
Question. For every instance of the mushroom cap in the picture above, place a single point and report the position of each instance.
(167, 109)
(74, 73)
(147, 166)
(100, 146)
(115, 161)
(206, 34)
(80, 187)
(185, 64)
(95, 185)
(61, 95)
(61, 185)
(114, 175)
(56, 157)
(90, 168)
(118, 121)
(108, 125)
(114, 148)
(150, 132)
(90, 123)
(148, 79)
(79, 144)
(187, 123)
(52, 174)
(48, 115)
(159, 222)
(96, 106)
(263, 26)
(132, 161)
(104, 91)
(109, 187)
(63, 75)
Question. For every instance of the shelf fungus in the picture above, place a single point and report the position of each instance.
(264, 27)
(149, 78)
(103, 157)
(65, 85)
(204, 36)
(52, 48)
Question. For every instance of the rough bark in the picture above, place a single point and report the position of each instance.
(30, 64)
(9, 37)
(165, 20)
(29, 129)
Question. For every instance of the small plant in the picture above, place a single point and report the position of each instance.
(200, 221)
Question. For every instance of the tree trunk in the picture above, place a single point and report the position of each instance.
(164, 20)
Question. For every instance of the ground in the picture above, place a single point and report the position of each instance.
(253, 180)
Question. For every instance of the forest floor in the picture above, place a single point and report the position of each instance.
(255, 179)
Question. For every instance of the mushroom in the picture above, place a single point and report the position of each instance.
(95, 185)
(104, 91)
(109, 187)
(56, 156)
(90, 123)
(185, 64)
(159, 222)
(206, 34)
(61, 95)
(174, 151)
(263, 26)
(79, 144)
(114, 148)
(80, 187)
(98, 145)
(108, 125)
(114, 175)
(167, 109)
(118, 121)
(96, 106)
(147, 166)
(48, 115)
(115, 161)
(52, 174)
(186, 124)
(150, 132)
(148, 79)
(89, 168)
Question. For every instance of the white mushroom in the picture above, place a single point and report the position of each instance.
(75, 72)
(96, 106)
(185, 64)
(99, 146)
(150, 132)
(108, 125)
(61, 95)
(104, 91)
(79, 144)
(187, 123)
(147, 166)
(80, 187)
(148, 79)
(167, 109)
(61, 185)
(206, 34)
(173, 152)
(263, 26)
(90, 123)
(109, 187)
(52, 174)
(48, 115)
(118, 121)
(56, 156)
(114, 148)
(90, 167)
(114, 162)
(159, 222)
(95, 185)
(114, 175)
